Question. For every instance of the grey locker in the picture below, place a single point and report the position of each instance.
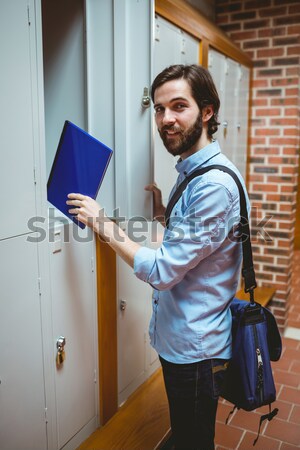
(74, 317)
(137, 360)
(232, 82)
(171, 46)
(22, 395)
(16, 118)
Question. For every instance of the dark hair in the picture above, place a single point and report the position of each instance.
(203, 88)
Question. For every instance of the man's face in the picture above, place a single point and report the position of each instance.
(178, 117)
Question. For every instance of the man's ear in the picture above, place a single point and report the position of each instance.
(207, 113)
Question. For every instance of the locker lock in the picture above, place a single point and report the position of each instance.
(225, 128)
(146, 100)
(123, 305)
(60, 343)
(60, 354)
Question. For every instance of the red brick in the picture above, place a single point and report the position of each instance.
(293, 50)
(295, 367)
(269, 52)
(259, 102)
(284, 81)
(291, 112)
(227, 436)
(289, 447)
(295, 416)
(291, 132)
(283, 141)
(283, 363)
(284, 409)
(257, 141)
(267, 132)
(283, 121)
(285, 431)
(292, 91)
(260, 83)
(293, 9)
(268, 111)
(293, 29)
(291, 395)
(223, 411)
(289, 151)
(243, 35)
(263, 443)
(271, 12)
(245, 417)
(270, 32)
(284, 101)
(288, 379)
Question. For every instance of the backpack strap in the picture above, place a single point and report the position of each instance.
(268, 416)
(244, 229)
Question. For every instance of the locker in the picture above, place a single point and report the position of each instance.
(171, 46)
(71, 250)
(136, 358)
(22, 394)
(16, 118)
(232, 82)
(73, 286)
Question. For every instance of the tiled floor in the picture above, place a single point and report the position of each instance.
(283, 432)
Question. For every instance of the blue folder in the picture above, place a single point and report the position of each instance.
(79, 166)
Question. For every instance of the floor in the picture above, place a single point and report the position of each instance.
(283, 432)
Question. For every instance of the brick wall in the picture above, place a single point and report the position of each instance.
(269, 31)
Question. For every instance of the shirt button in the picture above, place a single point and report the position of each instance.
(185, 173)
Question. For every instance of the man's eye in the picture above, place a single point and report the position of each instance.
(159, 109)
(180, 106)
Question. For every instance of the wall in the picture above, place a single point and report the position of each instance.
(269, 32)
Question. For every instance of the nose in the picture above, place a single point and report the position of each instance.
(168, 117)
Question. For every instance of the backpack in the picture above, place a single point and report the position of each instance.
(256, 340)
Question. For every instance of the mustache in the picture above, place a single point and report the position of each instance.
(170, 128)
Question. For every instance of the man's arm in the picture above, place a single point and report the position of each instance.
(89, 212)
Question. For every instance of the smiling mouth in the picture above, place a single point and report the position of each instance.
(171, 133)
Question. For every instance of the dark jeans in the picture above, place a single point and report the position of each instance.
(193, 391)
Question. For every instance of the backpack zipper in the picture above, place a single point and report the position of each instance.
(260, 380)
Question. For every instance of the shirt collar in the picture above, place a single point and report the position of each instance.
(186, 166)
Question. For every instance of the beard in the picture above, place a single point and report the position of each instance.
(183, 140)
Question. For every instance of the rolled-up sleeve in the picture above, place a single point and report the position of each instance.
(199, 228)
(144, 261)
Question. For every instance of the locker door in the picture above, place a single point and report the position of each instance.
(17, 142)
(72, 278)
(230, 107)
(171, 46)
(22, 396)
(241, 119)
(133, 321)
(74, 317)
(217, 68)
(136, 359)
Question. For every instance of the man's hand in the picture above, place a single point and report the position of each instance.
(87, 211)
(158, 207)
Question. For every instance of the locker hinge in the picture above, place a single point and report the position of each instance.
(46, 418)
(93, 264)
(28, 15)
(39, 286)
(95, 376)
(34, 175)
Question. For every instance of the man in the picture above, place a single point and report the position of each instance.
(195, 271)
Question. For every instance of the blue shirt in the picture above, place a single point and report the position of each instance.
(195, 271)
